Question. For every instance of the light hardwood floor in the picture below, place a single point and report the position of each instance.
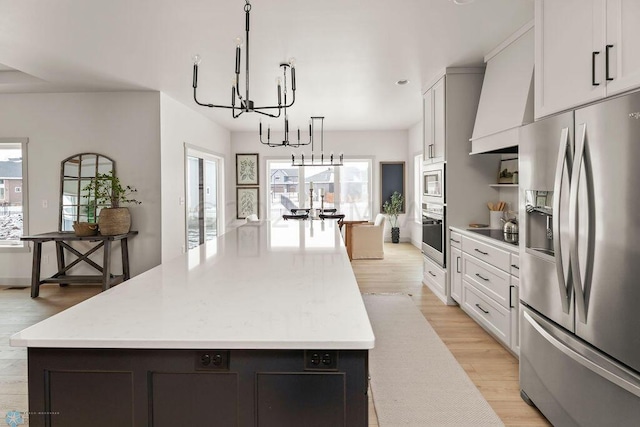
(492, 368)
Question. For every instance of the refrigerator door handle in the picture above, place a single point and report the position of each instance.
(579, 358)
(564, 158)
(581, 308)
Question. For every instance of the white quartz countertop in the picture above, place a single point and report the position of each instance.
(489, 240)
(280, 285)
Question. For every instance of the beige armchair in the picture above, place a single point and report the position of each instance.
(368, 239)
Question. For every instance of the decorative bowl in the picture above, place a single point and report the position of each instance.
(83, 229)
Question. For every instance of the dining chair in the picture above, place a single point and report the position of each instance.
(302, 216)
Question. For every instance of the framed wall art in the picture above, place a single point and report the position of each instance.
(246, 201)
(247, 169)
(508, 168)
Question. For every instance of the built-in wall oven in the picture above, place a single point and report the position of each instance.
(433, 183)
(433, 231)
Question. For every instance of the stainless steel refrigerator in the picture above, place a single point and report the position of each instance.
(580, 264)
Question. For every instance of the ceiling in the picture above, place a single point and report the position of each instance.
(349, 53)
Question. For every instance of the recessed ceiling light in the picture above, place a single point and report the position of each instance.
(402, 82)
(463, 2)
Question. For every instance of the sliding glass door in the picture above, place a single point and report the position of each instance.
(203, 183)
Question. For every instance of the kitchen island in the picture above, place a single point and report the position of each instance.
(263, 326)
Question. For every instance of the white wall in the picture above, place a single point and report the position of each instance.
(381, 146)
(122, 125)
(180, 125)
(415, 147)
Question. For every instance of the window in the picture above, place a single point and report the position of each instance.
(13, 187)
(346, 188)
(417, 190)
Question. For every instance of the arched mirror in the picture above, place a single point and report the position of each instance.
(75, 173)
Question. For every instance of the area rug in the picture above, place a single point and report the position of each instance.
(415, 380)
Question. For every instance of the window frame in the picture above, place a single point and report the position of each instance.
(20, 246)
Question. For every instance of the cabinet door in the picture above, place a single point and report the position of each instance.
(570, 54)
(427, 121)
(623, 35)
(456, 274)
(438, 150)
(515, 315)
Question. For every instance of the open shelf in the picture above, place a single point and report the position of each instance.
(503, 185)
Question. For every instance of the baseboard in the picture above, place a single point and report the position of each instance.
(9, 282)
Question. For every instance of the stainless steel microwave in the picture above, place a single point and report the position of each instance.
(433, 183)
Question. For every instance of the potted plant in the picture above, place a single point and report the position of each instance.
(108, 192)
(393, 208)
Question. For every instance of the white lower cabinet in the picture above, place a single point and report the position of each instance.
(488, 278)
(456, 274)
(487, 312)
(515, 317)
(435, 277)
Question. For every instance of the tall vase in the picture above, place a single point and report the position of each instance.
(114, 221)
(395, 234)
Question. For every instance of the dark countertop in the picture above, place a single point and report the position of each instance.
(497, 234)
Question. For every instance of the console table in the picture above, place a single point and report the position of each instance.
(62, 239)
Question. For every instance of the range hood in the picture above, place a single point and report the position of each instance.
(506, 100)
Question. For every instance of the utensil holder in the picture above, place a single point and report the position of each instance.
(494, 219)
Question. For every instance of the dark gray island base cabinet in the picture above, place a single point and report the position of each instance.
(155, 387)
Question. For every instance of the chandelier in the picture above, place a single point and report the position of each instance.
(316, 160)
(245, 104)
(285, 142)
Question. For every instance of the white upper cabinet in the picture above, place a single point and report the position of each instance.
(585, 50)
(427, 123)
(569, 54)
(434, 122)
(623, 44)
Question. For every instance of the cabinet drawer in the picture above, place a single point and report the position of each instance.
(488, 279)
(434, 274)
(456, 240)
(494, 256)
(487, 312)
(515, 265)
